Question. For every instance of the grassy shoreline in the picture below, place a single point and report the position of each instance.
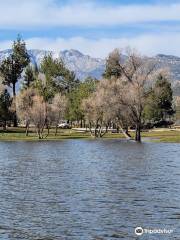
(18, 134)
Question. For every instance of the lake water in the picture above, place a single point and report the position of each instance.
(87, 189)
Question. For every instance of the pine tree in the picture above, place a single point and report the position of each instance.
(164, 96)
(29, 77)
(57, 78)
(5, 103)
(12, 67)
(159, 104)
(113, 68)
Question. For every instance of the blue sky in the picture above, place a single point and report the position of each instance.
(93, 27)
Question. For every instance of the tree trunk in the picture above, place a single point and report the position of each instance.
(96, 131)
(106, 131)
(117, 129)
(48, 128)
(4, 126)
(91, 131)
(138, 133)
(27, 129)
(39, 134)
(15, 124)
(56, 130)
(39, 131)
(127, 135)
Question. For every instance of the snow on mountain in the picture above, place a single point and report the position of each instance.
(170, 62)
(82, 65)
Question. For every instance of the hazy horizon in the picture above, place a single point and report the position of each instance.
(151, 26)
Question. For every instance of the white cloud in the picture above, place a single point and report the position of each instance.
(17, 14)
(145, 44)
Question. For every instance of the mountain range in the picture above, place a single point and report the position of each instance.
(84, 65)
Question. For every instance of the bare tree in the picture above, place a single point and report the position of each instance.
(121, 98)
(117, 110)
(24, 103)
(97, 111)
(38, 114)
(32, 108)
(137, 77)
(59, 106)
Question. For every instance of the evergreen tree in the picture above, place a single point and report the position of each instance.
(29, 77)
(159, 104)
(164, 96)
(12, 67)
(113, 67)
(57, 78)
(75, 97)
(5, 103)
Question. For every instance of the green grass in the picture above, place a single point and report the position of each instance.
(163, 136)
(18, 134)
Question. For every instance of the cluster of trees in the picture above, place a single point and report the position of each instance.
(48, 94)
(33, 108)
(131, 94)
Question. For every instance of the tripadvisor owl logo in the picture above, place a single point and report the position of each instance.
(139, 231)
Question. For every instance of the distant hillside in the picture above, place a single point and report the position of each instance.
(84, 65)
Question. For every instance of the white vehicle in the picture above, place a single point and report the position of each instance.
(63, 125)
